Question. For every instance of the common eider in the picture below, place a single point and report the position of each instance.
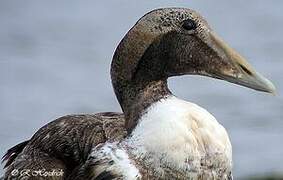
(158, 136)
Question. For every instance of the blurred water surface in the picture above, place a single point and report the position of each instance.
(55, 57)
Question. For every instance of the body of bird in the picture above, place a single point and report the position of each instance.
(174, 139)
(158, 136)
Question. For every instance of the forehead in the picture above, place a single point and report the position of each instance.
(171, 17)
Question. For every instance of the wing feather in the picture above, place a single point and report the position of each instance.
(65, 143)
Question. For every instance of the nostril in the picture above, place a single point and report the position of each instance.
(245, 69)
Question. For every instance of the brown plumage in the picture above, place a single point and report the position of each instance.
(65, 143)
(163, 43)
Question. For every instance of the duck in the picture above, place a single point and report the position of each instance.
(158, 135)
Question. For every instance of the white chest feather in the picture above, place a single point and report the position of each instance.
(183, 135)
(114, 159)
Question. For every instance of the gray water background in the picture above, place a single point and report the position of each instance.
(55, 57)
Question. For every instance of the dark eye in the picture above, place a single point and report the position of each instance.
(189, 24)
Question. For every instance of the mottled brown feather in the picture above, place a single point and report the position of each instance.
(65, 143)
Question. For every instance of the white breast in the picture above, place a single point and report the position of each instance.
(182, 134)
(121, 165)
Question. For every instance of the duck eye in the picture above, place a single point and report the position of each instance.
(189, 24)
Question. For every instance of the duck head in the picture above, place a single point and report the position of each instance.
(176, 41)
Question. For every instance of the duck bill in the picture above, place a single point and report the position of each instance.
(240, 71)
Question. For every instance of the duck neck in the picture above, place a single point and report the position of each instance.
(136, 97)
(137, 85)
